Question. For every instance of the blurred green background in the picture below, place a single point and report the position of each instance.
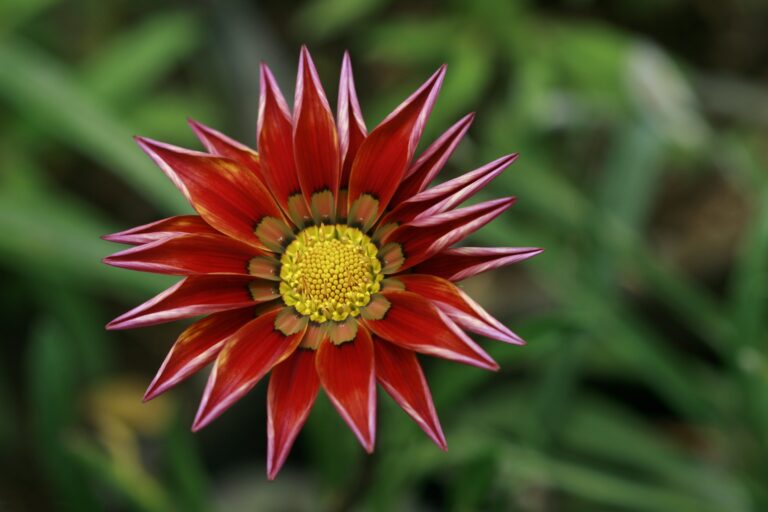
(642, 128)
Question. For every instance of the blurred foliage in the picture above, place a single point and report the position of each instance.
(642, 129)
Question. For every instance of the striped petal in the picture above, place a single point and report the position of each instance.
(197, 295)
(227, 195)
(348, 377)
(216, 143)
(422, 238)
(460, 263)
(383, 157)
(315, 143)
(247, 356)
(351, 130)
(459, 306)
(399, 373)
(293, 388)
(193, 254)
(416, 324)
(432, 161)
(197, 346)
(164, 228)
(275, 144)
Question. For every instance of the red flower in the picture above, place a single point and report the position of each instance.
(324, 258)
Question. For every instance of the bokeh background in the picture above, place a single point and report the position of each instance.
(642, 128)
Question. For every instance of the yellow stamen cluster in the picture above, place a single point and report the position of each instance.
(329, 272)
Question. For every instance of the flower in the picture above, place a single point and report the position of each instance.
(323, 258)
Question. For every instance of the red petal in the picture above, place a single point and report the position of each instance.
(399, 372)
(219, 144)
(351, 126)
(315, 144)
(189, 254)
(459, 306)
(425, 237)
(227, 195)
(192, 296)
(197, 346)
(275, 144)
(161, 229)
(384, 155)
(347, 374)
(293, 388)
(448, 195)
(432, 161)
(247, 356)
(416, 324)
(460, 263)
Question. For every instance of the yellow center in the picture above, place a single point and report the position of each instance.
(329, 272)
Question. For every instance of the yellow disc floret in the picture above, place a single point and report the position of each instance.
(329, 272)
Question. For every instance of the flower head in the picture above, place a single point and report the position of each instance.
(324, 259)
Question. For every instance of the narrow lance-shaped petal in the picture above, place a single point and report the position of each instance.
(382, 159)
(416, 324)
(219, 144)
(315, 143)
(351, 130)
(247, 356)
(165, 228)
(346, 372)
(275, 145)
(197, 295)
(197, 346)
(429, 164)
(458, 263)
(399, 372)
(293, 388)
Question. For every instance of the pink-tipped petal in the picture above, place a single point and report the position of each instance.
(347, 374)
(399, 372)
(293, 388)
(216, 143)
(193, 296)
(351, 130)
(384, 155)
(246, 357)
(197, 346)
(459, 263)
(164, 228)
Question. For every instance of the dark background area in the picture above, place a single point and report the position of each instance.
(642, 128)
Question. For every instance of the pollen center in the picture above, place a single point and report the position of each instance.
(330, 272)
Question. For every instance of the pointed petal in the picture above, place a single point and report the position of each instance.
(431, 162)
(459, 306)
(351, 126)
(399, 372)
(216, 143)
(460, 263)
(292, 391)
(190, 254)
(384, 155)
(347, 374)
(416, 324)
(315, 143)
(197, 295)
(448, 195)
(247, 356)
(197, 346)
(228, 196)
(275, 144)
(161, 229)
(425, 237)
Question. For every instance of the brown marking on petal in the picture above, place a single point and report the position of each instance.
(342, 332)
(274, 234)
(316, 334)
(289, 322)
(264, 267)
(323, 207)
(298, 210)
(262, 291)
(392, 284)
(383, 230)
(341, 206)
(392, 257)
(363, 212)
(376, 309)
